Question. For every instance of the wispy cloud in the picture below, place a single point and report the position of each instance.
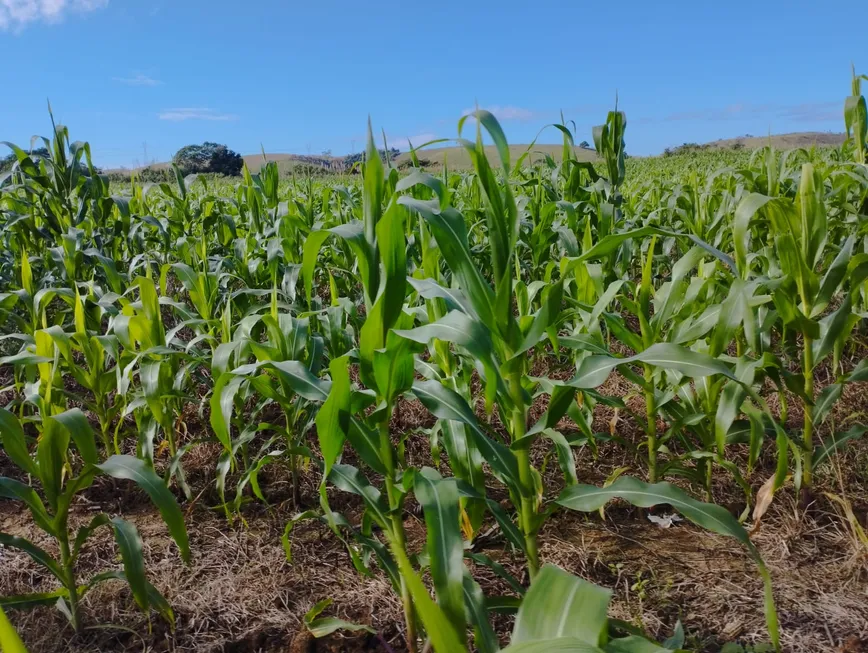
(137, 80)
(17, 14)
(179, 115)
(506, 112)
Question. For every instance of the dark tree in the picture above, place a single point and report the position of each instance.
(351, 159)
(208, 157)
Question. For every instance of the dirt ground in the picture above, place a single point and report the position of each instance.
(240, 595)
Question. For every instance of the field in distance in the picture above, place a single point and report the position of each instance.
(457, 157)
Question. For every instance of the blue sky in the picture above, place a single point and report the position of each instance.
(154, 75)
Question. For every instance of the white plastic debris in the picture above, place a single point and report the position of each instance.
(665, 521)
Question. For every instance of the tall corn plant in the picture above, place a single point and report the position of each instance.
(385, 368)
(856, 117)
(807, 273)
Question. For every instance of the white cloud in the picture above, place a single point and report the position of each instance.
(16, 14)
(505, 112)
(178, 115)
(137, 80)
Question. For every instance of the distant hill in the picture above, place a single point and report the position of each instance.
(780, 141)
(457, 157)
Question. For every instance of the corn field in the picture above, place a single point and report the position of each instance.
(282, 326)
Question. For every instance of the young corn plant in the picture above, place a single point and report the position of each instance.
(65, 463)
(386, 370)
(164, 372)
(807, 274)
(290, 356)
(559, 612)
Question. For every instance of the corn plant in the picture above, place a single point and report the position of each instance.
(805, 279)
(385, 368)
(856, 117)
(60, 479)
(292, 357)
(558, 613)
(485, 326)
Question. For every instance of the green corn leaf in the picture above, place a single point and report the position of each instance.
(294, 374)
(587, 498)
(450, 231)
(507, 526)
(127, 467)
(546, 317)
(393, 366)
(792, 315)
(583, 342)
(594, 370)
(10, 642)
(38, 555)
(833, 278)
(612, 242)
(33, 599)
(562, 397)
(728, 408)
(350, 479)
(455, 299)
(372, 197)
(354, 235)
(312, 246)
(560, 605)
(18, 491)
(155, 600)
(324, 626)
(333, 419)
(830, 445)
(130, 545)
(366, 442)
(51, 451)
(445, 403)
(439, 499)
(461, 329)
(15, 442)
(484, 636)
(222, 405)
(445, 635)
(812, 211)
(79, 429)
(418, 177)
(393, 256)
(833, 327)
(744, 214)
(825, 401)
(85, 532)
